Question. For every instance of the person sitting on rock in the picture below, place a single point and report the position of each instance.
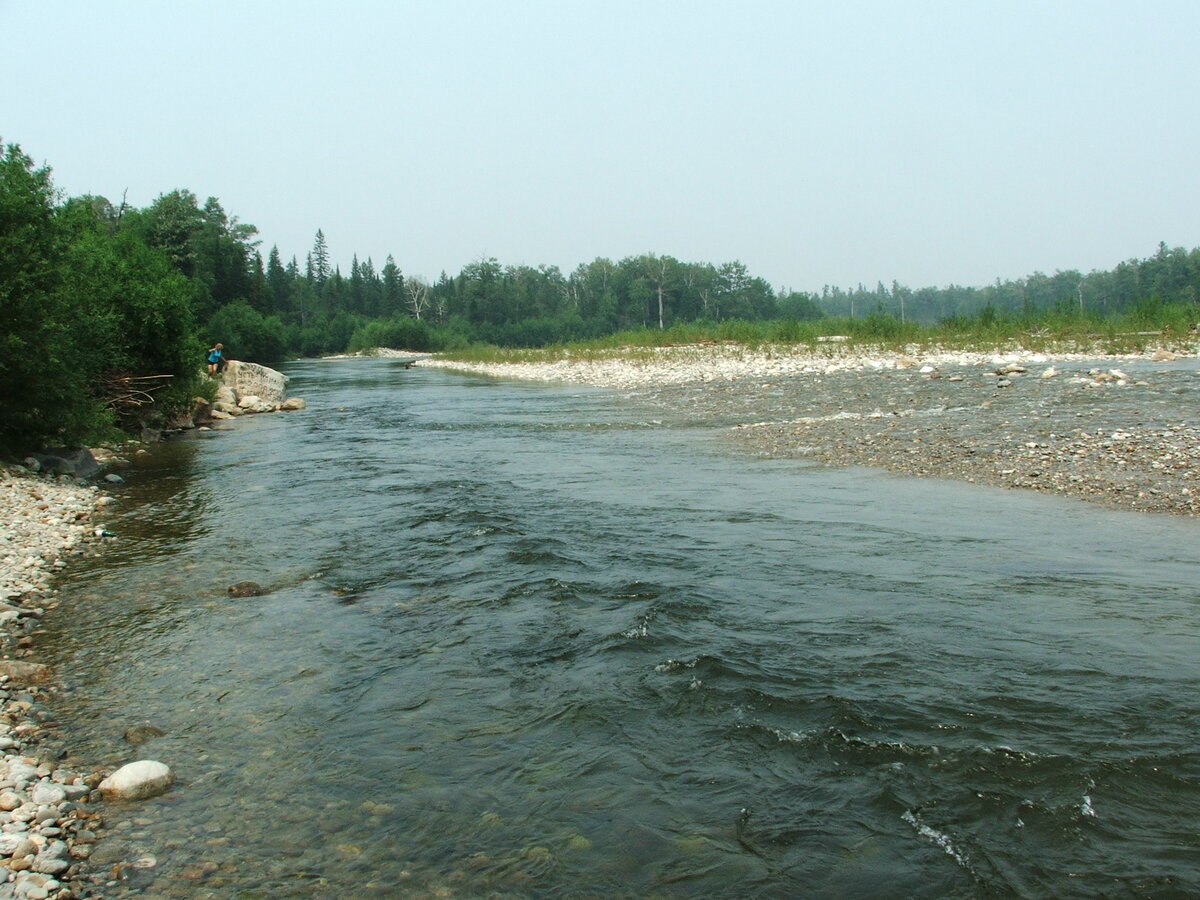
(216, 358)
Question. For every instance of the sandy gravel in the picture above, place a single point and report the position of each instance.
(1121, 431)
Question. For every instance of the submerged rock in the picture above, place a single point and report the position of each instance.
(139, 734)
(246, 589)
(25, 672)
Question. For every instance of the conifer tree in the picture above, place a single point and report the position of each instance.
(320, 260)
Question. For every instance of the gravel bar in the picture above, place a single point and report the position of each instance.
(1122, 431)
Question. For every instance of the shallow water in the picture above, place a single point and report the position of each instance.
(540, 641)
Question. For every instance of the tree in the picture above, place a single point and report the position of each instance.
(247, 334)
(278, 281)
(84, 306)
(138, 309)
(45, 397)
(799, 306)
(653, 273)
(319, 270)
(393, 288)
(418, 296)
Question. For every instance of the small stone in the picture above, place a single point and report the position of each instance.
(50, 865)
(16, 845)
(9, 801)
(54, 850)
(48, 794)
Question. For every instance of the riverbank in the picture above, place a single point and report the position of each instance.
(1072, 422)
(48, 818)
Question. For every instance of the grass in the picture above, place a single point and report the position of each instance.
(1147, 325)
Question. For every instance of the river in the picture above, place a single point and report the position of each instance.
(526, 640)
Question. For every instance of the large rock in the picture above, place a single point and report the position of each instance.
(247, 379)
(64, 461)
(201, 412)
(137, 781)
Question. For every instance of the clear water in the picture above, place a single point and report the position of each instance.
(537, 641)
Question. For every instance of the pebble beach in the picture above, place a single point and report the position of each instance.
(49, 817)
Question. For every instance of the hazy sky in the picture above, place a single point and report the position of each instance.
(820, 143)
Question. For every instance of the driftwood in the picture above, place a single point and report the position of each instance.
(122, 392)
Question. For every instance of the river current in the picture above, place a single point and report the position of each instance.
(527, 640)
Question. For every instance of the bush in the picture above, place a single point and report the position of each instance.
(397, 333)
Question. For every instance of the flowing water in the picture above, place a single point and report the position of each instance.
(542, 641)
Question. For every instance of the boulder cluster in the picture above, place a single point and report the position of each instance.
(246, 388)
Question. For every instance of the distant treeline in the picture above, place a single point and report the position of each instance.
(103, 304)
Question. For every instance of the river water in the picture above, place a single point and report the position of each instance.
(525, 640)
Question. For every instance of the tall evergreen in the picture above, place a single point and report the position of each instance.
(319, 270)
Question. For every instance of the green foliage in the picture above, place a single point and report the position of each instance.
(45, 397)
(139, 309)
(396, 333)
(247, 334)
(85, 303)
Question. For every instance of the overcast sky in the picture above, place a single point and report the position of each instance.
(826, 142)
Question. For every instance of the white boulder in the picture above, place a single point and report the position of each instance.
(247, 379)
(137, 781)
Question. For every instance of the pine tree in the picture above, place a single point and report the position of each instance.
(320, 260)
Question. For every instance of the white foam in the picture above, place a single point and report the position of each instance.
(640, 630)
(941, 839)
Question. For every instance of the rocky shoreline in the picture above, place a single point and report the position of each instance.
(49, 820)
(50, 813)
(1072, 423)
